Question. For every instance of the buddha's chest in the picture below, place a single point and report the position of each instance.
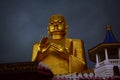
(61, 44)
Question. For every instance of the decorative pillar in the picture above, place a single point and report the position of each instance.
(97, 61)
(119, 53)
(106, 55)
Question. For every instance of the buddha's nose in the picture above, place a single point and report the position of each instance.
(56, 24)
(56, 27)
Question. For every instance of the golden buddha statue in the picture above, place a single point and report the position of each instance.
(62, 54)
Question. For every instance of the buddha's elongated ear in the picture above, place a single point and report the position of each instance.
(48, 29)
(66, 30)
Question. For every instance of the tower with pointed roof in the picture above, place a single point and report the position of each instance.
(106, 55)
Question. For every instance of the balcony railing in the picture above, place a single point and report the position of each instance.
(114, 61)
(110, 61)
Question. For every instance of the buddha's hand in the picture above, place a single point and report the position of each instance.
(44, 45)
(61, 50)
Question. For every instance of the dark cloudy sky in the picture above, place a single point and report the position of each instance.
(23, 22)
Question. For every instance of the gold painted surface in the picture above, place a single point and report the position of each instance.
(63, 55)
(108, 27)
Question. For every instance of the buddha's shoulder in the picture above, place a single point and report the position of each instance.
(36, 44)
(74, 40)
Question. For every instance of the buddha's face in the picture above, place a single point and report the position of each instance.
(57, 25)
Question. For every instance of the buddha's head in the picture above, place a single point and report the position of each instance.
(57, 25)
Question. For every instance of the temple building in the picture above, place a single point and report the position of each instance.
(106, 55)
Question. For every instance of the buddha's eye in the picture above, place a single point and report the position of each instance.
(51, 23)
(60, 21)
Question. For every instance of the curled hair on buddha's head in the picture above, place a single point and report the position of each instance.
(57, 16)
